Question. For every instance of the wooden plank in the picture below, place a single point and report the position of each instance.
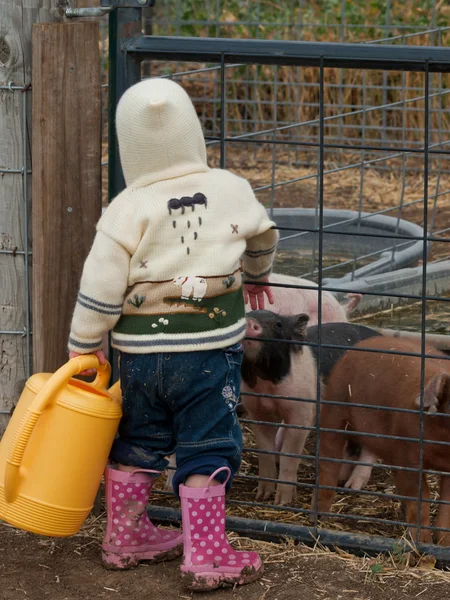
(66, 177)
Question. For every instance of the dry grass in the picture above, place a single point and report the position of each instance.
(288, 95)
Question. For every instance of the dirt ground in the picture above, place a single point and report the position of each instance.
(35, 568)
(38, 568)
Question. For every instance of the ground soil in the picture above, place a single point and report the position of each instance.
(38, 568)
(69, 569)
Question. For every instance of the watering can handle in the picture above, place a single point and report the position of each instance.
(37, 407)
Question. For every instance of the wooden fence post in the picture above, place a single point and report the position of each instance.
(66, 176)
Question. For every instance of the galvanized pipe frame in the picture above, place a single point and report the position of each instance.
(124, 71)
(308, 54)
(306, 511)
(126, 52)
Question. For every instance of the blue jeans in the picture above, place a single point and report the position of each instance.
(184, 401)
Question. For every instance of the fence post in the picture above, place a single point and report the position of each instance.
(66, 176)
(124, 71)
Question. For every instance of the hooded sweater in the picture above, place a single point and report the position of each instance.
(170, 252)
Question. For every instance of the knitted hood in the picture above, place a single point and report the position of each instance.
(159, 133)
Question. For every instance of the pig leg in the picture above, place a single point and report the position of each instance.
(361, 473)
(443, 516)
(332, 445)
(346, 469)
(293, 443)
(263, 409)
(408, 485)
(265, 440)
(279, 438)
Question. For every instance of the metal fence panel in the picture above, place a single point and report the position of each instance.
(221, 57)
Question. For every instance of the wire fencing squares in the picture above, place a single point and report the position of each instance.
(356, 102)
(383, 22)
(284, 183)
(380, 22)
(11, 251)
(330, 20)
(419, 159)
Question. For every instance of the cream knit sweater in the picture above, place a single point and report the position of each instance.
(165, 272)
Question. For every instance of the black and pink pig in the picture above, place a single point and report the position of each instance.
(287, 367)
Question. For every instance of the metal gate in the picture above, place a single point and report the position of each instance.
(427, 150)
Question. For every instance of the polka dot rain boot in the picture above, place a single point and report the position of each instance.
(209, 560)
(130, 536)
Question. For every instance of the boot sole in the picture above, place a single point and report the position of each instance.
(130, 560)
(208, 581)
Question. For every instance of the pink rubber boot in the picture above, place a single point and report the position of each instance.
(130, 536)
(209, 560)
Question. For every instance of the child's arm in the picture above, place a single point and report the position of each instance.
(99, 303)
(259, 255)
(258, 260)
(105, 275)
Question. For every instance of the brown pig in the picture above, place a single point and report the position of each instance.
(379, 379)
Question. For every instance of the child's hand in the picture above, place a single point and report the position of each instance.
(99, 354)
(256, 294)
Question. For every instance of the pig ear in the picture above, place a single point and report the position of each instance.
(301, 323)
(436, 394)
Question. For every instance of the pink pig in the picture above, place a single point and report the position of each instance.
(292, 301)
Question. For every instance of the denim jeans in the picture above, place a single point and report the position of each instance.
(184, 401)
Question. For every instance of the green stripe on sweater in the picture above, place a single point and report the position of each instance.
(221, 311)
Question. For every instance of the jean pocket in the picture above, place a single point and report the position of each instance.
(230, 392)
(234, 354)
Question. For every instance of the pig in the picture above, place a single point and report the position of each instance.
(287, 369)
(386, 380)
(294, 301)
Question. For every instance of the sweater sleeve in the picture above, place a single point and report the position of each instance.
(100, 299)
(262, 241)
(105, 277)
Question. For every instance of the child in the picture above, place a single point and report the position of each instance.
(164, 274)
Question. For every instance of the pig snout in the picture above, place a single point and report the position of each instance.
(254, 329)
(251, 346)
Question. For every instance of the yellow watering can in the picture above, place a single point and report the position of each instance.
(55, 448)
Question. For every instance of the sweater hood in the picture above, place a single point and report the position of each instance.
(160, 136)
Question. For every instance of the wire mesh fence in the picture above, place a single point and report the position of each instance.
(370, 173)
(15, 247)
(376, 108)
(297, 89)
(348, 93)
(325, 20)
(343, 174)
